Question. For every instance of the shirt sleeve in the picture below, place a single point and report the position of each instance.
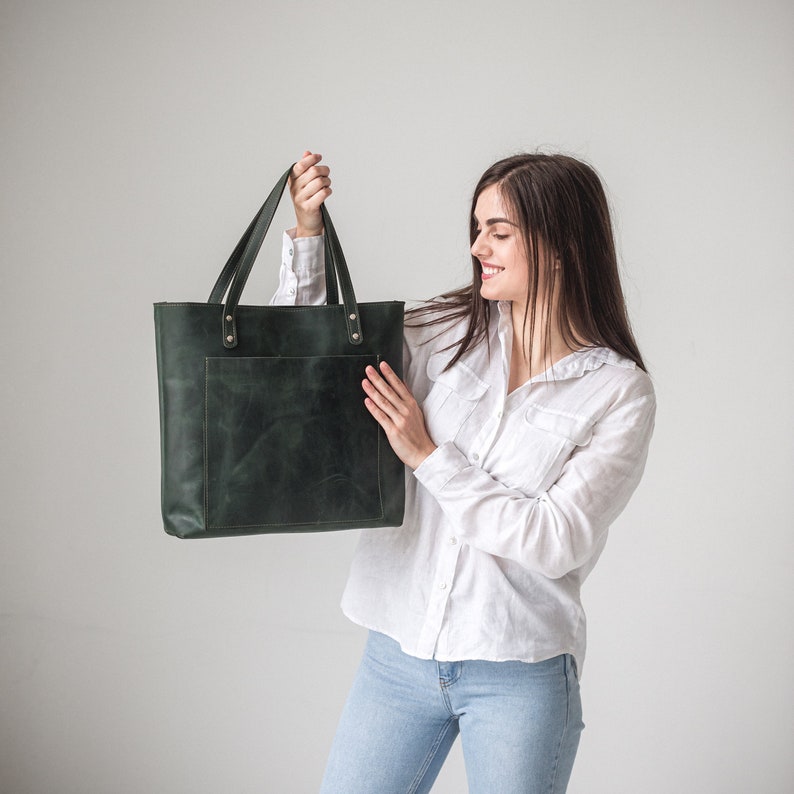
(302, 283)
(301, 278)
(562, 528)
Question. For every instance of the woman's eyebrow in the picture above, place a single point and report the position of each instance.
(494, 221)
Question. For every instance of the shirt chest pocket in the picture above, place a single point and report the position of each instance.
(537, 444)
(452, 399)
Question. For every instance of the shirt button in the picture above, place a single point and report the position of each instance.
(453, 541)
(442, 586)
(499, 415)
(476, 456)
(290, 252)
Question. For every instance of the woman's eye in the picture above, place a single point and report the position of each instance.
(501, 236)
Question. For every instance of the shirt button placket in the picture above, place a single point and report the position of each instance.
(443, 581)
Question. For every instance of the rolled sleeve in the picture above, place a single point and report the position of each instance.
(302, 272)
(561, 529)
(438, 468)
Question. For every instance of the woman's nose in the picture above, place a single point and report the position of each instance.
(478, 247)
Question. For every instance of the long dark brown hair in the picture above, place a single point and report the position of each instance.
(561, 201)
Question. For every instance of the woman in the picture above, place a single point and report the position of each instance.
(524, 420)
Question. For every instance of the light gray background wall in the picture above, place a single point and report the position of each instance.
(137, 140)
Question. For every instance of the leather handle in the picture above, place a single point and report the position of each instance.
(237, 269)
(230, 268)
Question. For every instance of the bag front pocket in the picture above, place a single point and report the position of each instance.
(288, 441)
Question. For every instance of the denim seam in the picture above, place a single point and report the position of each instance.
(417, 781)
(446, 683)
(447, 704)
(564, 727)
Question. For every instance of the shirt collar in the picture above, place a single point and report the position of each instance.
(574, 365)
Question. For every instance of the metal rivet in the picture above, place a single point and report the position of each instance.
(230, 338)
(228, 318)
(355, 336)
(352, 316)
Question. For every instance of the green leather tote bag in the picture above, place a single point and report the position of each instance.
(263, 426)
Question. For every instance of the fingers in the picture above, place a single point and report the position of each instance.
(390, 411)
(394, 408)
(380, 416)
(394, 381)
(305, 163)
(308, 177)
(389, 393)
(310, 186)
(376, 399)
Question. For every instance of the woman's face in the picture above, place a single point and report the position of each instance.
(500, 249)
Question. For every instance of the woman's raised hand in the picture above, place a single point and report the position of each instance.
(309, 187)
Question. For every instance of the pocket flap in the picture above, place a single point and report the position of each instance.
(460, 379)
(577, 429)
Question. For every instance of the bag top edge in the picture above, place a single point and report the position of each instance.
(302, 307)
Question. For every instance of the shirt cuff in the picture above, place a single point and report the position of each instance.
(302, 254)
(302, 272)
(438, 468)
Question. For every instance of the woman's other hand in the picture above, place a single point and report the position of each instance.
(398, 413)
(309, 187)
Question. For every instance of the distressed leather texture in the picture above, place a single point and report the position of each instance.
(267, 432)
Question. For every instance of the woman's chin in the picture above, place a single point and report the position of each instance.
(487, 293)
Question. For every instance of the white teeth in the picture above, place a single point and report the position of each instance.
(491, 271)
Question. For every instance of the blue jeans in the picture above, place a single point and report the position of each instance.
(519, 724)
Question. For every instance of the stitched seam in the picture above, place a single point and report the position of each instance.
(206, 451)
(445, 684)
(362, 522)
(379, 431)
(564, 728)
(307, 308)
(448, 682)
(417, 781)
(542, 409)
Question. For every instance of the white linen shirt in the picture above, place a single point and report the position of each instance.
(505, 520)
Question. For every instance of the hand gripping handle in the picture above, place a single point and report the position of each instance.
(238, 267)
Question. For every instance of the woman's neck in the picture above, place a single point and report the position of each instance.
(540, 350)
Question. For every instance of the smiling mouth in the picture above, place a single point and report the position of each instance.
(491, 270)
